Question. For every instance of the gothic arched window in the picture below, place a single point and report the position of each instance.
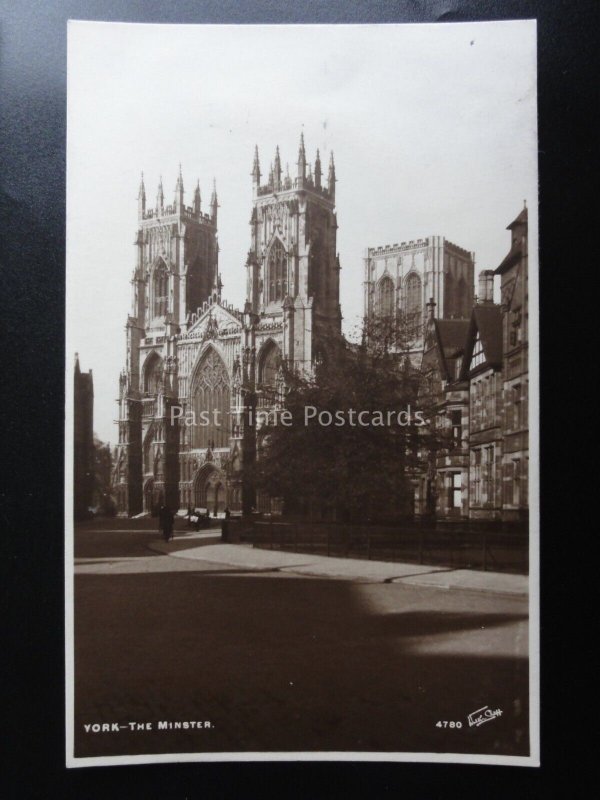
(160, 290)
(269, 365)
(210, 402)
(153, 370)
(276, 272)
(385, 297)
(149, 452)
(413, 303)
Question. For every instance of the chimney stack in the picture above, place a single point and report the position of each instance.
(486, 286)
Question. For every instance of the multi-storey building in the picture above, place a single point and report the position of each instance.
(443, 487)
(193, 360)
(482, 370)
(476, 386)
(513, 273)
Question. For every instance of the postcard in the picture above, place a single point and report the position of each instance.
(302, 518)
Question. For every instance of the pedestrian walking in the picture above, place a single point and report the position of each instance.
(165, 519)
(225, 526)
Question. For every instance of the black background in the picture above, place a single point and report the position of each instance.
(32, 202)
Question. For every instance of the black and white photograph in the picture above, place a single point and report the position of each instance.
(302, 502)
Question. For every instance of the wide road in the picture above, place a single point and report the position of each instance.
(272, 661)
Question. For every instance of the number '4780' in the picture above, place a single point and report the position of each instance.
(444, 723)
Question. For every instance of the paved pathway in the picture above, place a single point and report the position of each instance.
(247, 557)
(270, 658)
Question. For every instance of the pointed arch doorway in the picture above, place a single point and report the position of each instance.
(210, 490)
(153, 497)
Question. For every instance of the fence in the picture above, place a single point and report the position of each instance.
(495, 548)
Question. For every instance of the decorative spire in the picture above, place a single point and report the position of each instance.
(331, 179)
(256, 167)
(318, 171)
(179, 184)
(142, 198)
(271, 174)
(301, 158)
(214, 202)
(277, 169)
(160, 196)
(216, 290)
(179, 190)
(197, 199)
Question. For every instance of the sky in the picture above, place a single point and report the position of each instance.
(433, 129)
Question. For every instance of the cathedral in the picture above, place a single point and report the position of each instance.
(194, 362)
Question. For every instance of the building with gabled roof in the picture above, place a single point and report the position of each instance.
(513, 272)
(482, 370)
(476, 379)
(443, 489)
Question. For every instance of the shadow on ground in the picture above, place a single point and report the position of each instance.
(276, 663)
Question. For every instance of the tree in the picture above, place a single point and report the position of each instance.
(347, 439)
(102, 478)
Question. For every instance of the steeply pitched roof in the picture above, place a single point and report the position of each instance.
(521, 219)
(452, 335)
(516, 251)
(446, 342)
(487, 320)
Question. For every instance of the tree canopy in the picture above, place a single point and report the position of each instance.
(346, 438)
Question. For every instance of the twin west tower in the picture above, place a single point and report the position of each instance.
(187, 347)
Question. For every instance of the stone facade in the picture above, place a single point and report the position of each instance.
(193, 361)
(443, 486)
(513, 272)
(400, 280)
(477, 382)
(83, 436)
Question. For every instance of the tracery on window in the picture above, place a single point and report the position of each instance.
(160, 285)
(211, 402)
(385, 297)
(413, 305)
(276, 272)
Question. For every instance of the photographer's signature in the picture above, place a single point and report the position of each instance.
(485, 714)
